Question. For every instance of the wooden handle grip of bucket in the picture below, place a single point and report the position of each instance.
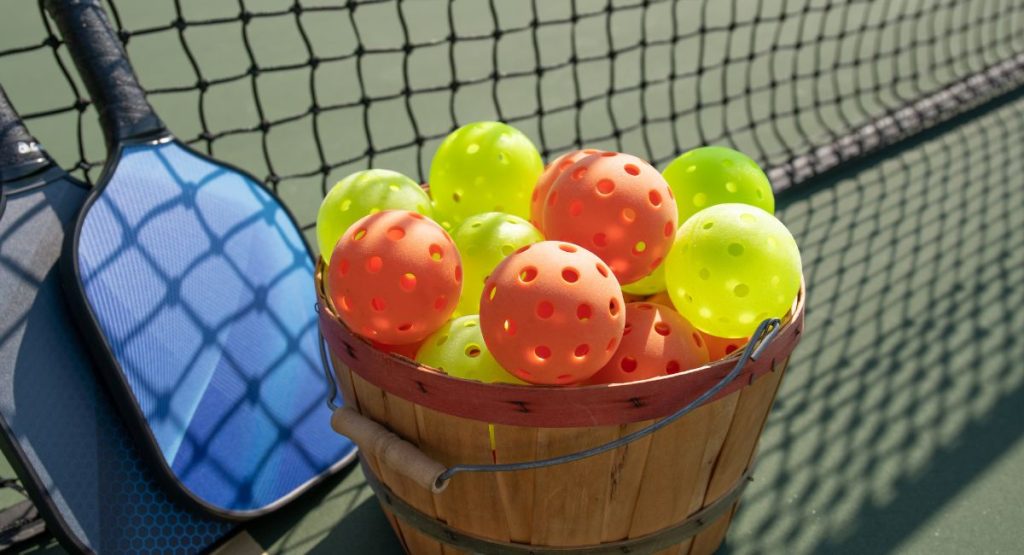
(392, 451)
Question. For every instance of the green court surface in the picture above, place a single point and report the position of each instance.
(899, 424)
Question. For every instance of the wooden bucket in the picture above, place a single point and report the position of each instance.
(671, 491)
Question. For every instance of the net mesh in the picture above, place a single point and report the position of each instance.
(300, 93)
(908, 378)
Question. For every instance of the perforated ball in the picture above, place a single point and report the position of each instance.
(484, 167)
(713, 175)
(408, 351)
(731, 267)
(552, 313)
(547, 179)
(458, 349)
(721, 347)
(395, 278)
(619, 207)
(361, 194)
(483, 241)
(650, 284)
(657, 341)
(661, 298)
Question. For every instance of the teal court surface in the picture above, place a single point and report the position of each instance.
(899, 427)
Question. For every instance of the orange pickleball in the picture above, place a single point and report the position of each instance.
(395, 277)
(657, 341)
(619, 207)
(721, 347)
(547, 179)
(552, 313)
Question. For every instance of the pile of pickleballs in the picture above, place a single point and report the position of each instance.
(595, 269)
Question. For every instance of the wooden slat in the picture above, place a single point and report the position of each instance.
(721, 412)
(673, 465)
(344, 376)
(374, 404)
(569, 499)
(628, 464)
(738, 451)
(516, 444)
(471, 503)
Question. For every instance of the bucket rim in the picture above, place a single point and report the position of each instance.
(540, 405)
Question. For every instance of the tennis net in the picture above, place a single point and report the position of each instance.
(302, 92)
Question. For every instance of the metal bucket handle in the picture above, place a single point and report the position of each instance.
(408, 460)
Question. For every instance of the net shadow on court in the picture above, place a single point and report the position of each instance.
(908, 381)
(904, 388)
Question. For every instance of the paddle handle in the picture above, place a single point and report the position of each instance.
(20, 154)
(390, 450)
(125, 114)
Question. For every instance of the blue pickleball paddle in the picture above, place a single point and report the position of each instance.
(195, 288)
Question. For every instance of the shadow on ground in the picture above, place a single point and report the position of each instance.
(907, 385)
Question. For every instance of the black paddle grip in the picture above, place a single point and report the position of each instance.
(94, 45)
(20, 154)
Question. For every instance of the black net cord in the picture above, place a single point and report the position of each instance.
(302, 92)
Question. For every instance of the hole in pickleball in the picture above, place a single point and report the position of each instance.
(654, 197)
(436, 253)
(374, 264)
(407, 282)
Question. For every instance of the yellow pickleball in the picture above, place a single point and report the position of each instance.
(458, 349)
(485, 166)
(713, 175)
(484, 240)
(731, 267)
(361, 194)
(650, 284)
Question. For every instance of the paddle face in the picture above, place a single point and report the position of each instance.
(201, 288)
(59, 427)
